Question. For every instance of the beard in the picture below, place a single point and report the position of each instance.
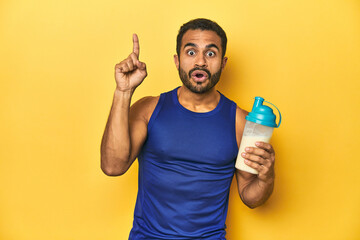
(199, 87)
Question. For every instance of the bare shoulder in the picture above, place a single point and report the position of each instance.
(241, 113)
(240, 116)
(143, 108)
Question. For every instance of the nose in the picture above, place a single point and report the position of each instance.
(200, 61)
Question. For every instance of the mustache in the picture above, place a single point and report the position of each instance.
(202, 69)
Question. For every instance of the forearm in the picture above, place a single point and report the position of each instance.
(115, 144)
(257, 192)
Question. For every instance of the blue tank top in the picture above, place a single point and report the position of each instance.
(185, 171)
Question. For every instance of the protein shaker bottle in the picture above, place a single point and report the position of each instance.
(259, 126)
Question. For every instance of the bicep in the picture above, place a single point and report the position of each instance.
(242, 178)
(138, 133)
(139, 115)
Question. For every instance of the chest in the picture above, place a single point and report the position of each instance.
(177, 137)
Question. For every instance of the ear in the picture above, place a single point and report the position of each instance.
(224, 61)
(176, 60)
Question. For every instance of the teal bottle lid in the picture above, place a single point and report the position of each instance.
(262, 114)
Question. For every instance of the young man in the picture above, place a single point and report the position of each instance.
(186, 142)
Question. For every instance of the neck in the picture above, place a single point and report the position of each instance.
(198, 102)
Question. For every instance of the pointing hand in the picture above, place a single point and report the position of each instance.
(130, 72)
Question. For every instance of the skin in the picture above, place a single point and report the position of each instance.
(126, 129)
(200, 50)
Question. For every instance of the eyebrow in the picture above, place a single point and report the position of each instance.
(207, 46)
(212, 45)
(190, 45)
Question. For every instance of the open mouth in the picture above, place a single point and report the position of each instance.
(199, 75)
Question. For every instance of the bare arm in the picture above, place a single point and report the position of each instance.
(120, 146)
(255, 190)
(252, 191)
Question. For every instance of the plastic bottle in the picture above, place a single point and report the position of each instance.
(259, 126)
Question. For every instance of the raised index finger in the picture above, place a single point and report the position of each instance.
(136, 47)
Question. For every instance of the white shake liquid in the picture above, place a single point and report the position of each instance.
(248, 141)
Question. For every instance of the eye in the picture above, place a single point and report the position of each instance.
(210, 54)
(191, 52)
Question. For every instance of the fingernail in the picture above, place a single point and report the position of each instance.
(257, 144)
(243, 154)
(247, 149)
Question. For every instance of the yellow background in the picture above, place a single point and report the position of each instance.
(56, 69)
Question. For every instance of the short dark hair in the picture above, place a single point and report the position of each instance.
(202, 24)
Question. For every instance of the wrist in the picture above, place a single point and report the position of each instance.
(122, 98)
(266, 184)
(124, 93)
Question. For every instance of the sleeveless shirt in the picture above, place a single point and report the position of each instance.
(186, 166)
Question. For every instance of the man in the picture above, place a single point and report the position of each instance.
(186, 142)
